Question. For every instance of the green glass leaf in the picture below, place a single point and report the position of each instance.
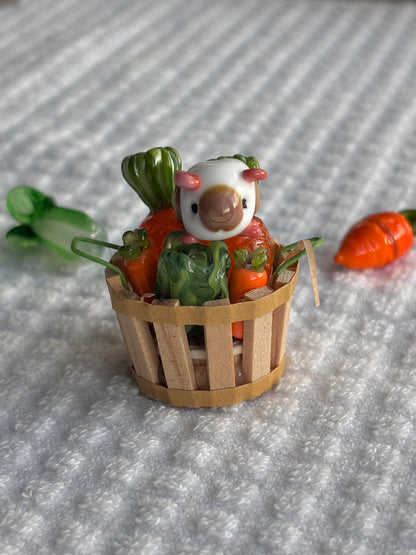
(255, 259)
(133, 244)
(151, 175)
(258, 259)
(44, 222)
(23, 236)
(240, 257)
(410, 216)
(26, 204)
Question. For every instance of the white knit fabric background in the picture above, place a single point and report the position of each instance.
(324, 94)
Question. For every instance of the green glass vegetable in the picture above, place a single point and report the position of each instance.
(193, 273)
(151, 175)
(43, 222)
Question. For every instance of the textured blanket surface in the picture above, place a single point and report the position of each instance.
(323, 93)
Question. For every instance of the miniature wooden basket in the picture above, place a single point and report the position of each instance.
(220, 370)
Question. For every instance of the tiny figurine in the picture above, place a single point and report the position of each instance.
(201, 289)
(43, 222)
(377, 239)
(217, 199)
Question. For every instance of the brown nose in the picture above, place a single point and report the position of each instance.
(220, 207)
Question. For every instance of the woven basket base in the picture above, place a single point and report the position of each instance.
(207, 398)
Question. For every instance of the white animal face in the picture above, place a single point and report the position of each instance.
(216, 200)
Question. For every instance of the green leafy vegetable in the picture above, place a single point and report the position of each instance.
(151, 174)
(193, 273)
(43, 222)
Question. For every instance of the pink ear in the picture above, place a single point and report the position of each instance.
(254, 174)
(187, 180)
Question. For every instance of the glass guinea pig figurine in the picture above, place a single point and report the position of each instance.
(217, 199)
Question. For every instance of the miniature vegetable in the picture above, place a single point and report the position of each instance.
(257, 235)
(138, 261)
(151, 175)
(135, 261)
(192, 273)
(43, 222)
(248, 273)
(377, 240)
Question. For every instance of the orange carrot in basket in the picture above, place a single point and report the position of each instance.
(247, 273)
(138, 261)
(257, 235)
(151, 176)
(377, 239)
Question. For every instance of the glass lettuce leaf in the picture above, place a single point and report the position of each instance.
(192, 273)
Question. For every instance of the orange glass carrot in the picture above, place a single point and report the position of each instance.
(135, 261)
(151, 176)
(138, 261)
(247, 273)
(158, 225)
(257, 236)
(377, 239)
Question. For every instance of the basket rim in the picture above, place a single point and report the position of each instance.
(128, 303)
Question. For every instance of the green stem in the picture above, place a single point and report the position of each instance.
(79, 252)
(410, 216)
(315, 241)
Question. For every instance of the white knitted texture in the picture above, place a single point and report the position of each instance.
(323, 93)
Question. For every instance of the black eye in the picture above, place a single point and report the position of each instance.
(244, 203)
(194, 208)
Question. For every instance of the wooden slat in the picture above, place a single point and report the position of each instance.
(174, 352)
(257, 340)
(280, 328)
(280, 325)
(140, 347)
(220, 355)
